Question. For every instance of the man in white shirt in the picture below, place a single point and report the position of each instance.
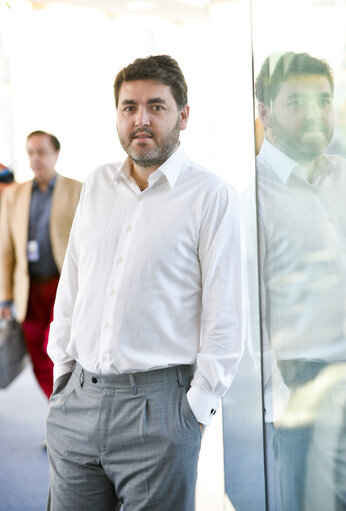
(147, 316)
(302, 236)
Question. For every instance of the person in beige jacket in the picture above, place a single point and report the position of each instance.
(35, 222)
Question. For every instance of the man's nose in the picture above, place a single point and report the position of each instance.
(312, 110)
(142, 117)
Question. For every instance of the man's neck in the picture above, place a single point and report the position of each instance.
(309, 165)
(44, 182)
(141, 174)
(310, 168)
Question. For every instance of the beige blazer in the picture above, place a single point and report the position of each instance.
(14, 227)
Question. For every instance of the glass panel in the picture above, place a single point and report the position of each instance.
(299, 61)
(242, 405)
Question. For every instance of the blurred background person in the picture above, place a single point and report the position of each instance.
(35, 221)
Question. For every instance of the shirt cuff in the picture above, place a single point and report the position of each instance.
(204, 406)
(275, 402)
(60, 370)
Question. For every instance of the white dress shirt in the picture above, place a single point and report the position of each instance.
(302, 240)
(152, 279)
(303, 255)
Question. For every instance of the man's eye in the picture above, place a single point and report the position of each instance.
(128, 108)
(157, 108)
(325, 102)
(296, 103)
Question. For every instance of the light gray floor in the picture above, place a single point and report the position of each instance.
(243, 440)
(24, 465)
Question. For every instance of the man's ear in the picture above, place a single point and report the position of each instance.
(184, 116)
(264, 113)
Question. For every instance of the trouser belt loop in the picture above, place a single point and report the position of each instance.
(180, 377)
(133, 384)
(81, 378)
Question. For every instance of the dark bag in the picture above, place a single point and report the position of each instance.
(12, 351)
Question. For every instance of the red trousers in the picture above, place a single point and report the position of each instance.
(36, 330)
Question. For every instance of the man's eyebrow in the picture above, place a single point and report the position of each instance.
(156, 100)
(295, 95)
(149, 102)
(128, 102)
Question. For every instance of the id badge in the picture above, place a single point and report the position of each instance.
(33, 251)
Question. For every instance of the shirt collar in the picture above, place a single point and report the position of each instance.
(284, 166)
(281, 164)
(171, 168)
(50, 186)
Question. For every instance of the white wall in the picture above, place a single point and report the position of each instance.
(63, 61)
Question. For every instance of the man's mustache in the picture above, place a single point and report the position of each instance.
(133, 134)
(311, 126)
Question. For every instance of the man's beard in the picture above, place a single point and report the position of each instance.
(158, 154)
(305, 145)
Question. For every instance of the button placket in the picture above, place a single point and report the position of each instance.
(124, 244)
(334, 224)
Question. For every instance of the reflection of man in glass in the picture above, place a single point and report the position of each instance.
(302, 219)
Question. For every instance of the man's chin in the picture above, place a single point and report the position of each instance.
(38, 174)
(145, 160)
(313, 139)
(313, 152)
(313, 146)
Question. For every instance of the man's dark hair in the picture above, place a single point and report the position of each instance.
(290, 64)
(55, 142)
(161, 68)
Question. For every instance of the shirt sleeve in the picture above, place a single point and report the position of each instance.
(221, 346)
(60, 328)
(276, 393)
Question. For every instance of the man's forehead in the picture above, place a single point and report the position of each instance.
(39, 141)
(308, 84)
(144, 90)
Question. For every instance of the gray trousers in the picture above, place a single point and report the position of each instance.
(129, 438)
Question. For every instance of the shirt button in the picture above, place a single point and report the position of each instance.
(120, 259)
(104, 358)
(139, 198)
(129, 228)
(106, 325)
(112, 292)
(332, 220)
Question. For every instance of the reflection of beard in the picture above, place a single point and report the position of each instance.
(305, 144)
(152, 156)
